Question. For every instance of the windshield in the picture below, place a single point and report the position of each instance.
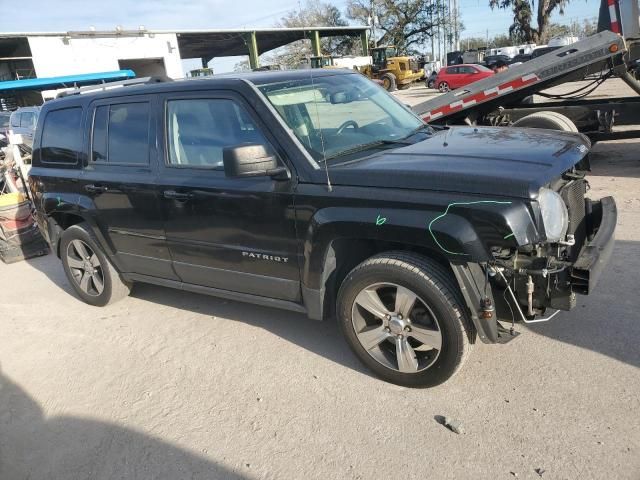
(338, 114)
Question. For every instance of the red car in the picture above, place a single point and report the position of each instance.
(456, 76)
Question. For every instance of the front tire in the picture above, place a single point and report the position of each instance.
(443, 87)
(403, 317)
(89, 271)
(389, 82)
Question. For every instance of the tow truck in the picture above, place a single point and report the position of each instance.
(506, 99)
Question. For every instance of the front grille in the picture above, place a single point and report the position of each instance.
(573, 194)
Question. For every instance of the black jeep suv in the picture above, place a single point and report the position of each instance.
(318, 192)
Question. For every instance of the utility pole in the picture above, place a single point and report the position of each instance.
(439, 17)
(456, 13)
(433, 51)
(446, 29)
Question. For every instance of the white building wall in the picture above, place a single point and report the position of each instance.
(55, 56)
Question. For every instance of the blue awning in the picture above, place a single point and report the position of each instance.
(66, 81)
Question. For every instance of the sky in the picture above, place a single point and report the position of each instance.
(64, 15)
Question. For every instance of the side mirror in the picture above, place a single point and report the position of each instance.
(251, 160)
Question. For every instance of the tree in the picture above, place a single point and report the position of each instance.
(574, 29)
(523, 16)
(474, 43)
(313, 14)
(242, 66)
(407, 24)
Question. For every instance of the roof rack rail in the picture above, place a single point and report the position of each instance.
(122, 83)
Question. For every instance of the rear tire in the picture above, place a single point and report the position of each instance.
(89, 271)
(389, 82)
(548, 120)
(422, 347)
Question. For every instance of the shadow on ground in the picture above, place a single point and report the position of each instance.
(616, 159)
(322, 338)
(605, 322)
(35, 447)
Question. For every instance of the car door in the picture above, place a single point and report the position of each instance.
(467, 75)
(118, 185)
(235, 234)
(453, 74)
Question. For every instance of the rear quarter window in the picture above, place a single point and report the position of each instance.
(61, 136)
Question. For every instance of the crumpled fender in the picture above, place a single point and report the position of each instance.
(459, 232)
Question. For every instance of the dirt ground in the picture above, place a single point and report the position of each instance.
(168, 384)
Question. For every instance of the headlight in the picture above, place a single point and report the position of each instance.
(555, 217)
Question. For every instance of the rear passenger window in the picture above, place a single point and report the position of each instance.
(121, 133)
(198, 130)
(61, 136)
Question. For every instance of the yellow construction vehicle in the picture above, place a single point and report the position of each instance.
(392, 70)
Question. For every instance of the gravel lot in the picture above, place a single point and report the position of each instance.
(168, 384)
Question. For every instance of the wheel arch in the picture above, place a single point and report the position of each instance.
(344, 254)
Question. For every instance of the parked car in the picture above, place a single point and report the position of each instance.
(520, 58)
(430, 82)
(450, 78)
(537, 52)
(490, 61)
(419, 240)
(23, 122)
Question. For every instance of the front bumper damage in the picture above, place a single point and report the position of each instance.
(595, 254)
(579, 278)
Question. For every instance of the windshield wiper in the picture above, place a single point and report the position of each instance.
(367, 146)
(424, 126)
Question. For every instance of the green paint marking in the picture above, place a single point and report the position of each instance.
(457, 204)
(509, 236)
(380, 220)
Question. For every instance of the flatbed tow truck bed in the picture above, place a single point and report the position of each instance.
(507, 97)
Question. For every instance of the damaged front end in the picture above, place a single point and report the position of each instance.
(524, 282)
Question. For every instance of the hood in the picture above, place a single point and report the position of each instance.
(502, 161)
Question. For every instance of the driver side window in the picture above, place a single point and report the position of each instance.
(198, 130)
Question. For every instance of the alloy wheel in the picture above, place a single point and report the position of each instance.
(85, 268)
(443, 87)
(396, 327)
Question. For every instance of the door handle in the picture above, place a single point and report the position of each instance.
(95, 188)
(173, 195)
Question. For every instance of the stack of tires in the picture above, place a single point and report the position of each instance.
(19, 235)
